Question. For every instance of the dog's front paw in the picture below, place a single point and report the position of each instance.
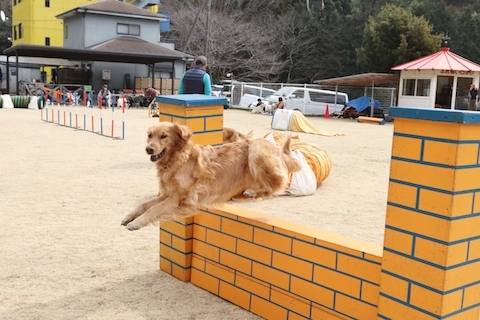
(125, 221)
(249, 193)
(132, 226)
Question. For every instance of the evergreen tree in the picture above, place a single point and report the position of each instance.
(395, 36)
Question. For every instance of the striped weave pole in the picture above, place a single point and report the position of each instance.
(92, 120)
(84, 110)
(123, 121)
(101, 115)
(46, 105)
(113, 121)
(70, 106)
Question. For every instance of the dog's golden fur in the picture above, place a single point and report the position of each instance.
(232, 135)
(193, 176)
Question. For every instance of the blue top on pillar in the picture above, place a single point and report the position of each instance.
(437, 114)
(191, 100)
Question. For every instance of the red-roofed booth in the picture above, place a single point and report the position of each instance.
(439, 80)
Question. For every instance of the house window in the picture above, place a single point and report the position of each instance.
(47, 41)
(416, 87)
(14, 2)
(15, 36)
(19, 31)
(47, 3)
(130, 29)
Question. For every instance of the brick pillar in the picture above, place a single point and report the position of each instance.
(431, 256)
(204, 116)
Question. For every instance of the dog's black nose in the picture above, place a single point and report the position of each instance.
(149, 150)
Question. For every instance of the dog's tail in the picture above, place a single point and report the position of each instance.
(293, 165)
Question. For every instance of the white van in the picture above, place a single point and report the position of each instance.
(310, 101)
(251, 94)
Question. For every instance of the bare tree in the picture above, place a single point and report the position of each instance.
(235, 45)
(6, 26)
(296, 42)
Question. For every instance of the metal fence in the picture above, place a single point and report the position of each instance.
(385, 95)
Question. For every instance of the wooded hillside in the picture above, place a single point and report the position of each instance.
(306, 40)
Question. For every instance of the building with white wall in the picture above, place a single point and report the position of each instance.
(439, 80)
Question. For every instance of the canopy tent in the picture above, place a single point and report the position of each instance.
(362, 80)
(363, 103)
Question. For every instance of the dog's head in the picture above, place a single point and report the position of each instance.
(165, 139)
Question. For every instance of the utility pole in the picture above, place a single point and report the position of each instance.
(194, 24)
(207, 33)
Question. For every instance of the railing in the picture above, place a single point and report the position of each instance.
(144, 3)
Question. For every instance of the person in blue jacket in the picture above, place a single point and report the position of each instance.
(196, 80)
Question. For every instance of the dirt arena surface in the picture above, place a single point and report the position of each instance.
(63, 193)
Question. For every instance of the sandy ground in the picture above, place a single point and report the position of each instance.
(63, 193)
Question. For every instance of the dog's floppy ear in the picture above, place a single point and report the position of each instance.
(183, 132)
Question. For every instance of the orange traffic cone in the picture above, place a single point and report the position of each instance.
(327, 113)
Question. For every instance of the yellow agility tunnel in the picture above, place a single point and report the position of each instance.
(428, 267)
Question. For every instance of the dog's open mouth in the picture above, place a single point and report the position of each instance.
(156, 157)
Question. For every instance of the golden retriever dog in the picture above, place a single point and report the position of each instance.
(193, 176)
(232, 135)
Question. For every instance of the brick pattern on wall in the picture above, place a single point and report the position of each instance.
(206, 122)
(176, 238)
(431, 258)
(270, 267)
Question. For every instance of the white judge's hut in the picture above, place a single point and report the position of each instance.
(439, 80)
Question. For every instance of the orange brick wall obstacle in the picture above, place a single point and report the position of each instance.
(428, 268)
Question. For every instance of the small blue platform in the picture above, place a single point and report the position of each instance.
(440, 115)
(190, 100)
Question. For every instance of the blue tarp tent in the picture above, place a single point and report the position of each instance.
(363, 103)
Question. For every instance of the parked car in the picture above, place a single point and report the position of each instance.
(217, 90)
(227, 92)
(251, 94)
(310, 101)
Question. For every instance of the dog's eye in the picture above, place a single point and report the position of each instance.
(163, 136)
(149, 136)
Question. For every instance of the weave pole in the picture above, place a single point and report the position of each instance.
(46, 106)
(84, 110)
(93, 120)
(58, 112)
(123, 121)
(70, 106)
(100, 102)
(113, 121)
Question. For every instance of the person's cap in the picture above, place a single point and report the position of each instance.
(201, 59)
(105, 86)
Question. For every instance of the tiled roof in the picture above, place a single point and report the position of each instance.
(113, 7)
(131, 44)
(442, 60)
